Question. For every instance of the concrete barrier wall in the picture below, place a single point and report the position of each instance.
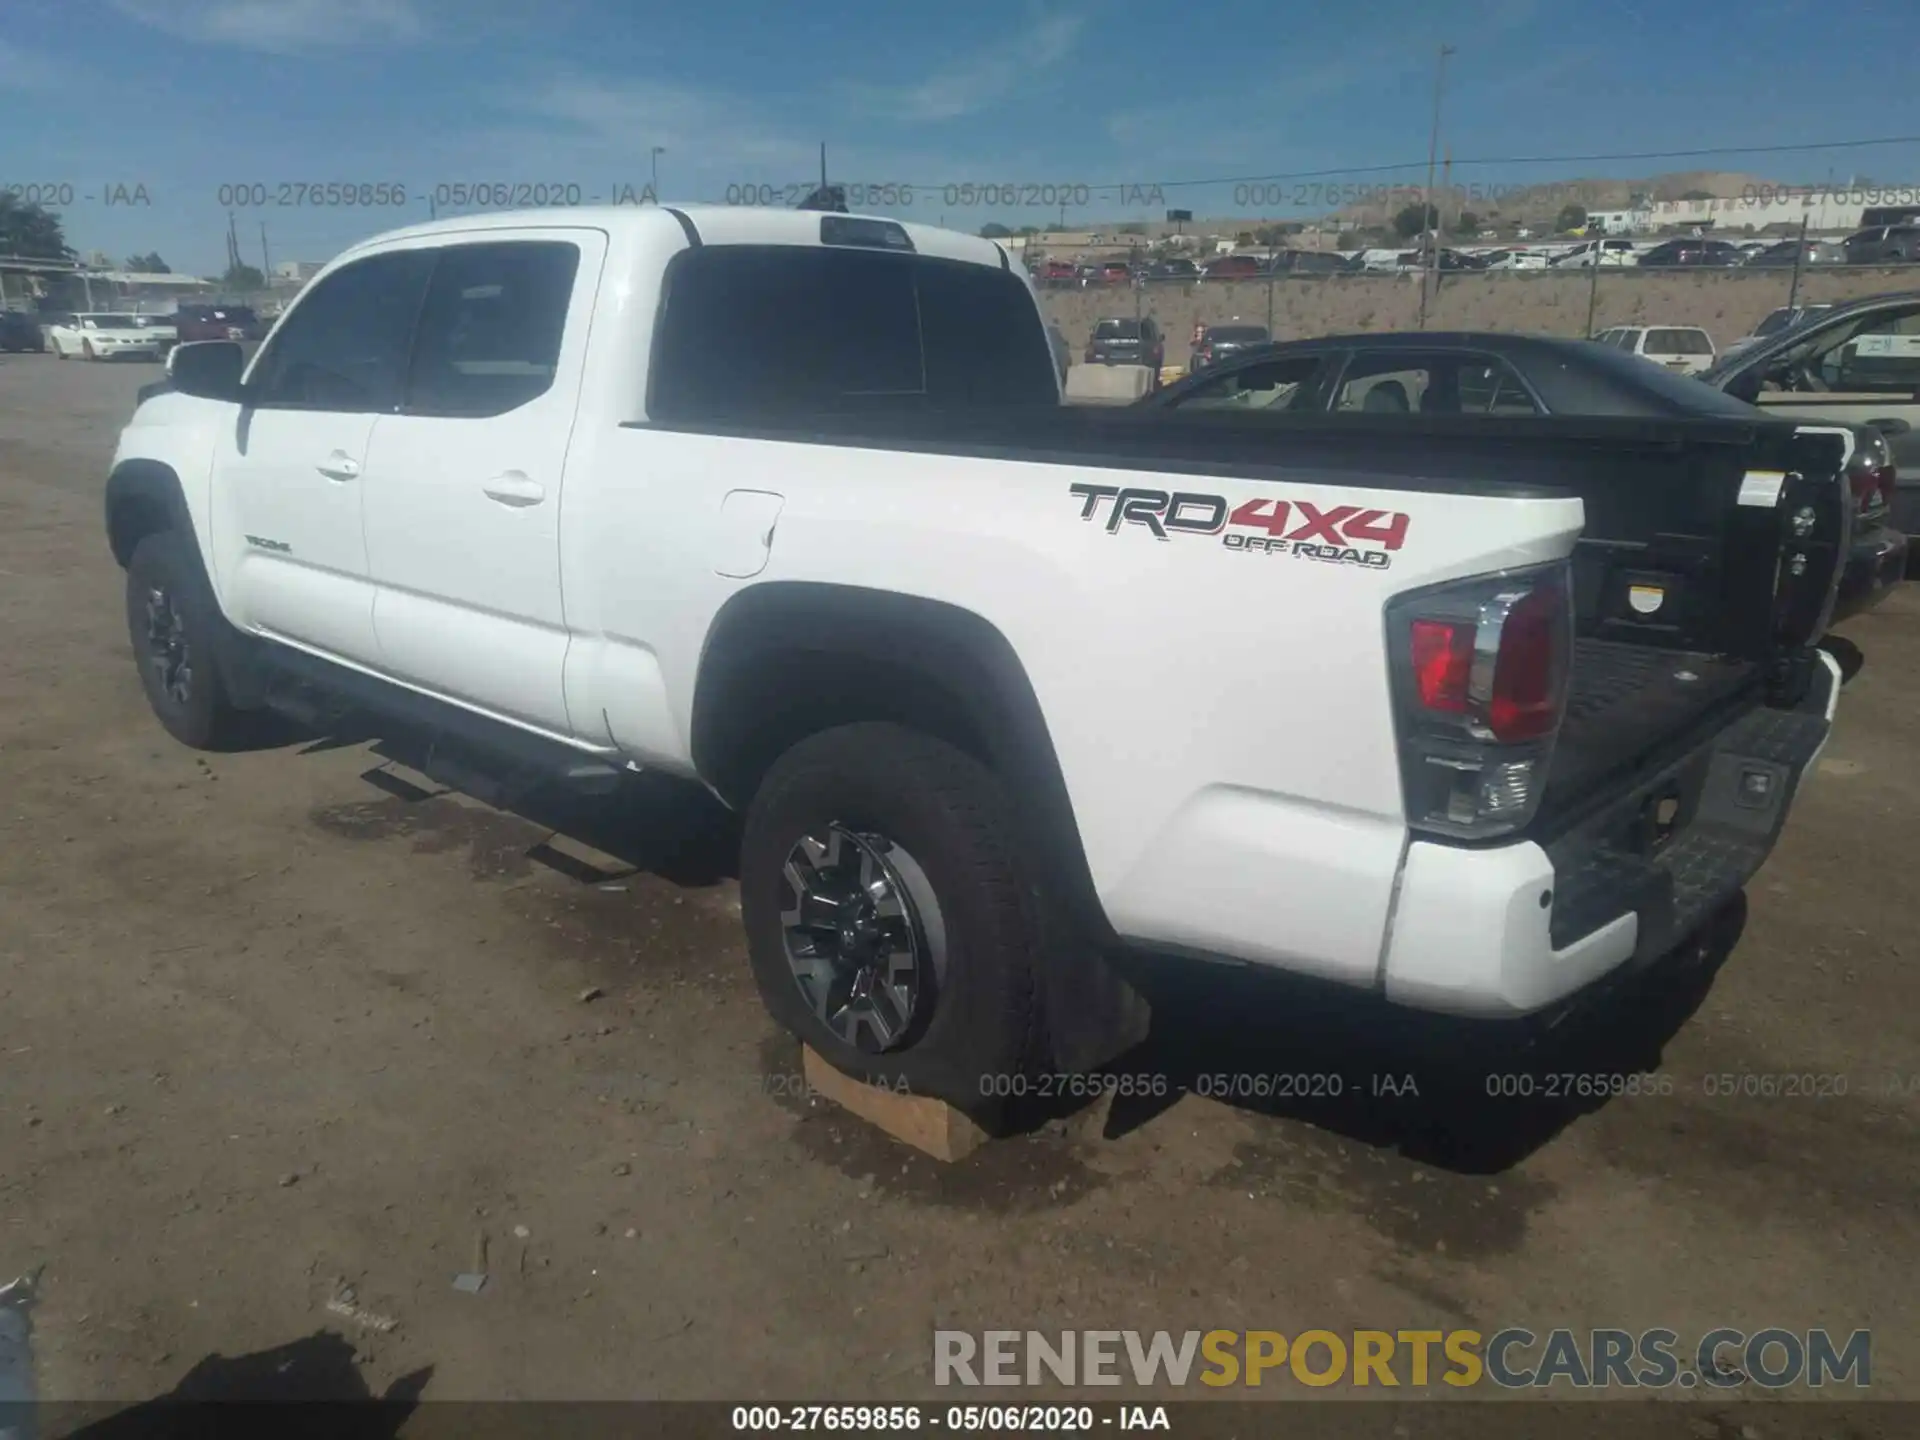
(1726, 304)
(1108, 384)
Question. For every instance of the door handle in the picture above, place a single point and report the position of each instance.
(339, 466)
(514, 488)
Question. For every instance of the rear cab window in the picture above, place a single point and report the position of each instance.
(755, 333)
(1678, 342)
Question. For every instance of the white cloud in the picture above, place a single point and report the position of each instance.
(973, 84)
(281, 26)
(609, 120)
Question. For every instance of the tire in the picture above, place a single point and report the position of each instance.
(86, 350)
(166, 589)
(58, 353)
(974, 1028)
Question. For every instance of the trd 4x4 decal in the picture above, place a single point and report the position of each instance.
(1340, 534)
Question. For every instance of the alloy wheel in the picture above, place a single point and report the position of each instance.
(863, 934)
(167, 651)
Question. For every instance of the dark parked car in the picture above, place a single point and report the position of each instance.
(20, 331)
(1809, 252)
(217, 322)
(1173, 270)
(1308, 262)
(1498, 374)
(1883, 245)
(1691, 252)
(1127, 342)
(1218, 342)
(1232, 267)
(1857, 363)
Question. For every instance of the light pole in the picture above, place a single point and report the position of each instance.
(1433, 153)
(654, 157)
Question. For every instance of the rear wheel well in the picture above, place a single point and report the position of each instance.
(765, 700)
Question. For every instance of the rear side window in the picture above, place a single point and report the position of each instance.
(344, 346)
(489, 333)
(749, 333)
(1679, 342)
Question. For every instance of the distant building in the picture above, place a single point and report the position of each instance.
(1830, 210)
(297, 272)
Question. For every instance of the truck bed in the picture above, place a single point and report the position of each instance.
(1627, 704)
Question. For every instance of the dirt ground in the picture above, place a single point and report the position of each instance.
(277, 1023)
(1726, 305)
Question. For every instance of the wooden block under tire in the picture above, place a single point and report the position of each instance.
(930, 1126)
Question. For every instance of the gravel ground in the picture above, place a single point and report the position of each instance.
(279, 1023)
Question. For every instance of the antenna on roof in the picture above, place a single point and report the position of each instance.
(825, 197)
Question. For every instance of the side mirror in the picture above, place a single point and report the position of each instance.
(209, 369)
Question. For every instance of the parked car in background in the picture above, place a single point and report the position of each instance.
(198, 322)
(1218, 342)
(1127, 341)
(1056, 272)
(1501, 374)
(1782, 254)
(1608, 252)
(1690, 251)
(1232, 267)
(1856, 364)
(103, 335)
(20, 332)
(1883, 245)
(1777, 322)
(1678, 347)
(1163, 271)
(1307, 262)
(1517, 259)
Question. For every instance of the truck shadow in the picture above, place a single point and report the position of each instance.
(651, 825)
(1472, 1097)
(307, 1387)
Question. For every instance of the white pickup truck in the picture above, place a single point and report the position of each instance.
(1472, 712)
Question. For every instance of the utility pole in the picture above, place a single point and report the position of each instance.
(1593, 285)
(1799, 258)
(266, 259)
(823, 164)
(1433, 155)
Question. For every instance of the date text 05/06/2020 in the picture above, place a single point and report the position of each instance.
(447, 194)
(962, 195)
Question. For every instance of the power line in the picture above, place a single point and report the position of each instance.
(1696, 154)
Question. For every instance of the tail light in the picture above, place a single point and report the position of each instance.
(1480, 672)
(1871, 473)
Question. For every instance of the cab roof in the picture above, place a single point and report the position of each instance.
(711, 224)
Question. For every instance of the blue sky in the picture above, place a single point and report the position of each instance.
(185, 96)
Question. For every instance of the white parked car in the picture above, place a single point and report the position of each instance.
(103, 336)
(1610, 252)
(1678, 347)
(1517, 260)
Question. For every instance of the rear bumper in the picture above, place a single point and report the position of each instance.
(1511, 930)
